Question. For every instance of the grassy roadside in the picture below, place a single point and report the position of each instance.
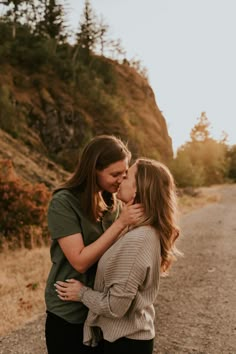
(203, 196)
(24, 272)
(22, 280)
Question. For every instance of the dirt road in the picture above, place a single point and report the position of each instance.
(196, 306)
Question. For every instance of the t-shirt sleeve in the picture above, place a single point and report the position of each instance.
(62, 219)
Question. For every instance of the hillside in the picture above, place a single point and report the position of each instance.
(30, 165)
(53, 117)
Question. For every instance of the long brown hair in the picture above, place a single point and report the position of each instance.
(98, 154)
(157, 193)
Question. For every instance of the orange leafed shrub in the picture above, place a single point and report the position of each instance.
(23, 209)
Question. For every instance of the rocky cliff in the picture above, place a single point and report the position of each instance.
(55, 119)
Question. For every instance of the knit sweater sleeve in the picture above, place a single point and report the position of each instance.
(129, 274)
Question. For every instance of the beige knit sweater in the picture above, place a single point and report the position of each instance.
(126, 286)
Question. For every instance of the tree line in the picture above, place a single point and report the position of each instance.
(46, 20)
(203, 161)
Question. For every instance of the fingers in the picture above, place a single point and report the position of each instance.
(71, 280)
(62, 292)
(60, 289)
(62, 284)
(136, 206)
(62, 298)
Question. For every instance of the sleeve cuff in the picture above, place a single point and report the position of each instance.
(81, 292)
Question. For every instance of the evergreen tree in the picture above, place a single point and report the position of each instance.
(14, 12)
(52, 23)
(200, 131)
(87, 36)
(102, 32)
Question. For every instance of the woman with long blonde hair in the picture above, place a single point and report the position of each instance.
(127, 280)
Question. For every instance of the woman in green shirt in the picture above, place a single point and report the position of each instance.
(84, 220)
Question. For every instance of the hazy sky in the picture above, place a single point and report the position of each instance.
(189, 50)
(188, 47)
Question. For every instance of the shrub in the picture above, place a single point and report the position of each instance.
(23, 205)
(232, 162)
(7, 111)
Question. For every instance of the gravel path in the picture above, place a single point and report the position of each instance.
(196, 306)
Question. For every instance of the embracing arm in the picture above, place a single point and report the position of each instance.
(82, 257)
(113, 303)
(133, 267)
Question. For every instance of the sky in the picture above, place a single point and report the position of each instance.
(188, 48)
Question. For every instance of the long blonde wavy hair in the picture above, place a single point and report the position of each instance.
(157, 192)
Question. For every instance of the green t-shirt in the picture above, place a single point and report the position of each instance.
(65, 218)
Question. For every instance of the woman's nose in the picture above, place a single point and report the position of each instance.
(120, 178)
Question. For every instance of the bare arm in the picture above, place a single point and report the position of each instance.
(83, 257)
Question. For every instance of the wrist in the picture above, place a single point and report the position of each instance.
(81, 292)
(120, 224)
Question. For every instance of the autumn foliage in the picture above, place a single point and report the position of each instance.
(23, 210)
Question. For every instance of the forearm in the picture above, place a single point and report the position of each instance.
(106, 305)
(92, 253)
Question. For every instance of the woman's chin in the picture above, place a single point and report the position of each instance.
(119, 196)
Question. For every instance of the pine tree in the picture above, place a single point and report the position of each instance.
(14, 12)
(102, 32)
(88, 33)
(200, 131)
(52, 24)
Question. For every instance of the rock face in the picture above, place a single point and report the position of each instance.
(58, 120)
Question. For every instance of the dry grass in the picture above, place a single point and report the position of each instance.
(22, 281)
(204, 196)
(23, 273)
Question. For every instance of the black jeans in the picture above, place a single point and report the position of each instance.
(128, 346)
(63, 337)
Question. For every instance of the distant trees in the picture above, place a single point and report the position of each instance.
(52, 24)
(202, 160)
(45, 21)
(13, 12)
(45, 18)
(232, 162)
(88, 32)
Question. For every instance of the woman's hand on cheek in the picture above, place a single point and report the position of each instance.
(131, 213)
(68, 290)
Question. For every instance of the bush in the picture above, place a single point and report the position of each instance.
(200, 163)
(6, 32)
(23, 206)
(7, 111)
(232, 162)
